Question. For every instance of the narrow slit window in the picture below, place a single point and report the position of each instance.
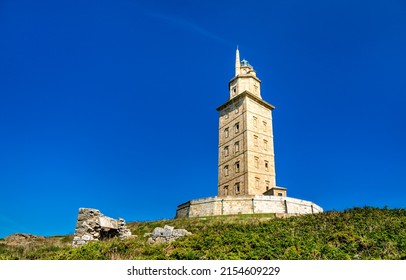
(237, 188)
(237, 167)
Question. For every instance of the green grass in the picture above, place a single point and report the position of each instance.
(359, 233)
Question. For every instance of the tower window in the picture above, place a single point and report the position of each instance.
(264, 125)
(226, 132)
(237, 167)
(255, 121)
(237, 127)
(226, 151)
(237, 188)
(257, 182)
(226, 170)
(265, 145)
(255, 140)
(266, 166)
(237, 147)
(267, 185)
(256, 162)
(225, 190)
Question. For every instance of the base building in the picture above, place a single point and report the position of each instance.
(246, 165)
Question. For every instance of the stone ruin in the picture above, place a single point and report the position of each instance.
(93, 225)
(165, 235)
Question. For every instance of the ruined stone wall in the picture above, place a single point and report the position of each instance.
(213, 206)
(93, 225)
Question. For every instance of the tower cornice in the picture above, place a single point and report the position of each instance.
(248, 94)
(244, 76)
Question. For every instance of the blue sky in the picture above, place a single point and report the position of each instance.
(111, 104)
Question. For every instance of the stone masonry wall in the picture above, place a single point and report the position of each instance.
(93, 225)
(213, 206)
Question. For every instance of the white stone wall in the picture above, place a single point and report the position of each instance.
(229, 205)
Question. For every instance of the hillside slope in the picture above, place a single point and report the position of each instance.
(359, 233)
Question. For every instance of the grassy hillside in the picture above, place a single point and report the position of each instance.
(359, 233)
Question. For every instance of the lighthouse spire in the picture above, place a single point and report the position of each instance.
(237, 62)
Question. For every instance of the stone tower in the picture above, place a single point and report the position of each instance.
(246, 174)
(246, 151)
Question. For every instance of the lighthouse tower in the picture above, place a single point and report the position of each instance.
(246, 151)
(246, 164)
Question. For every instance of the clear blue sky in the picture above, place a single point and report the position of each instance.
(111, 104)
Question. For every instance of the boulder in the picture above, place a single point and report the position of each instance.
(167, 234)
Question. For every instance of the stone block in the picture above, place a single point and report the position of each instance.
(106, 222)
(167, 234)
(158, 231)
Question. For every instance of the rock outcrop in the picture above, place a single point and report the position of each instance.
(23, 239)
(167, 234)
(93, 225)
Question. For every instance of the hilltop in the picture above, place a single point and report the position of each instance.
(358, 233)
